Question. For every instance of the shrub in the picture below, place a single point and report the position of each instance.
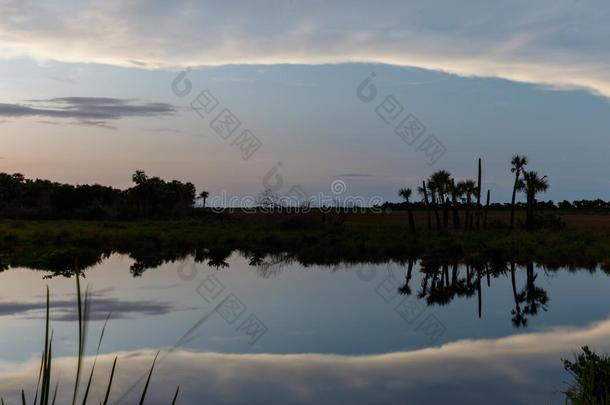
(591, 373)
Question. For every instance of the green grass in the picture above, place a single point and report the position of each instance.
(69, 245)
(591, 374)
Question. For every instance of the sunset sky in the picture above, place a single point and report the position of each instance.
(88, 92)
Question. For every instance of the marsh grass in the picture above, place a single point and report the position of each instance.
(53, 245)
(43, 394)
(591, 374)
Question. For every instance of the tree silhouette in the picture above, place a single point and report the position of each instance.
(440, 184)
(534, 297)
(532, 184)
(486, 209)
(406, 194)
(467, 189)
(439, 188)
(518, 318)
(139, 177)
(479, 195)
(424, 193)
(204, 196)
(455, 195)
(517, 164)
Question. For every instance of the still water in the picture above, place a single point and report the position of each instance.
(278, 332)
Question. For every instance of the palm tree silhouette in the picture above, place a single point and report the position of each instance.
(455, 195)
(467, 189)
(424, 193)
(532, 184)
(479, 195)
(139, 177)
(204, 196)
(406, 194)
(517, 163)
(534, 297)
(405, 289)
(440, 184)
(518, 318)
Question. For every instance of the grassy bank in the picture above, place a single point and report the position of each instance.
(64, 245)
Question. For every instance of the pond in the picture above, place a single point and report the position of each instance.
(274, 331)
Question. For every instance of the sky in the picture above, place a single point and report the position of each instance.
(93, 90)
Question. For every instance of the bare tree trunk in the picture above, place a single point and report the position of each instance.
(531, 203)
(411, 219)
(488, 276)
(512, 201)
(445, 211)
(517, 320)
(479, 292)
(479, 196)
(436, 214)
(528, 216)
(427, 206)
(454, 276)
(456, 215)
(486, 211)
(467, 219)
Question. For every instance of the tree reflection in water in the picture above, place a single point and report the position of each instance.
(442, 281)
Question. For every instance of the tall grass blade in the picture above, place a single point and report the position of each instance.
(148, 380)
(83, 317)
(99, 344)
(55, 392)
(45, 354)
(175, 396)
(42, 358)
(80, 337)
(110, 382)
(23, 397)
(89, 383)
(46, 377)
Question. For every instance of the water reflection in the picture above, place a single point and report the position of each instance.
(331, 336)
(524, 368)
(441, 282)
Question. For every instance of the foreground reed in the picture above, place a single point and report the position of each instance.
(44, 394)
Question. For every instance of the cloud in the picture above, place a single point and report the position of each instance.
(65, 309)
(89, 111)
(67, 80)
(524, 368)
(164, 130)
(354, 175)
(556, 43)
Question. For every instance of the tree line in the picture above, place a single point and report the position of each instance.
(149, 197)
(443, 198)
